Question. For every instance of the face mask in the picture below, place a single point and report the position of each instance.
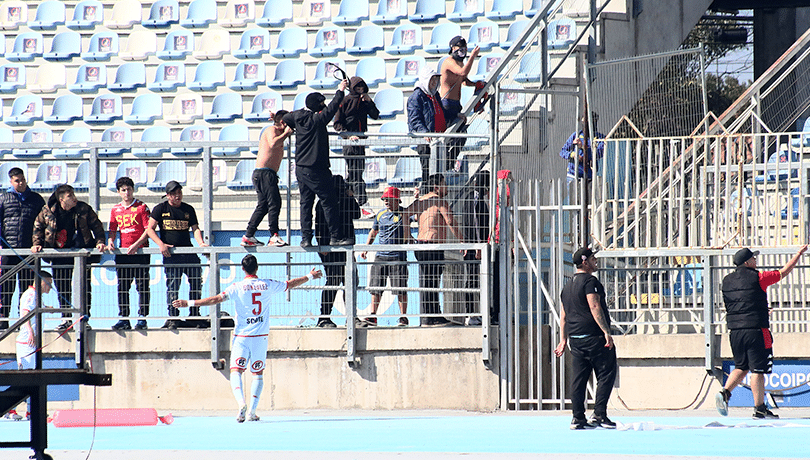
(460, 54)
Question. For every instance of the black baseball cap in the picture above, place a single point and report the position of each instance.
(744, 255)
(172, 185)
(582, 255)
(459, 41)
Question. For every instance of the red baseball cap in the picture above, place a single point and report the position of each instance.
(391, 192)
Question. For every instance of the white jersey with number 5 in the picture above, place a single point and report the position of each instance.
(252, 299)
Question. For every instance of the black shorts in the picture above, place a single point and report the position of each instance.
(382, 270)
(752, 350)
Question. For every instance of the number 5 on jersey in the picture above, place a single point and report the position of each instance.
(258, 310)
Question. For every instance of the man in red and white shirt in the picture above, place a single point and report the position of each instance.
(249, 345)
(130, 217)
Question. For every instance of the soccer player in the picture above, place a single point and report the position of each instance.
(26, 338)
(249, 344)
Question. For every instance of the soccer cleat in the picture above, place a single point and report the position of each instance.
(65, 325)
(122, 325)
(762, 412)
(602, 421)
(253, 418)
(241, 417)
(581, 424)
(250, 241)
(141, 325)
(276, 240)
(721, 401)
(403, 321)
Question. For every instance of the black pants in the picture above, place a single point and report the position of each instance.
(265, 181)
(131, 268)
(63, 280)
(318, 182)
(355, 166)
(430, 276)
(175, 267)
(23, 278)
(472, 269)
(424, 157)
(590, 355)
(334, 265)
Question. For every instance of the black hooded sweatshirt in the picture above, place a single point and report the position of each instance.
(311, 138)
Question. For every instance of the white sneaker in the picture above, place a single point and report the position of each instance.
(276, 240)
(241, 417)
(253, 418)
(250, 241)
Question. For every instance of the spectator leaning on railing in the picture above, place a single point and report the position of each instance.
(425, 114)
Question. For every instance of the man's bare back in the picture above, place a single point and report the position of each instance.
(271, 146)
(435, 218)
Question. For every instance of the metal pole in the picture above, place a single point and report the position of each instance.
(711, 342)
(485, 275)
(207, 194)
(38, 332)
(350, 300)
(214, 289)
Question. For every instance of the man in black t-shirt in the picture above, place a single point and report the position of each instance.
(584, 320)
(176, 219)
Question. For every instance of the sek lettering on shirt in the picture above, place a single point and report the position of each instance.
(171, 224)
(126, 220)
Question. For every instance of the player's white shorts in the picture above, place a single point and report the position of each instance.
(252, 350)
(26, 358)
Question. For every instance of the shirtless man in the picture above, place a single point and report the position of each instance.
(435, 219)
(265, 180)
(454, 75)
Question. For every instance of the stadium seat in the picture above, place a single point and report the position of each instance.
(179, 44)
(458, 175)
(407, 172)
(26, 110)
(49, 15)
(219, 175)
(34, 135)
(253, 44)
(795, 204)
(232, 132)
(153, 134)
(48, 175)
(406, 39)
(479, 125)
(390, 12)
(314, 12)
(146, 108)
(2, 45)
(466, 10)
(371, 70)
(106, 109)
(250, 74)
(213, 44)
(276, 13)
(286, 177)
(6, 137)
(134, 169)
(530, 69)
(238, 13)
(300, 100)
(486, 63)
(324, 77)
(168, 170)
(242, 179)
(505, 9)
(168, 77)
(27, 46)
(140, 45)
(185, 108)
(329, 41)
(368, 39)
(390, 102)
(440, 38)
(208, 76)
(77, 135)
(125, 14)
(66, 109)
(351, 12)
(86, 15)
(129, 77)
(65, 46)
(103, 45)
(292, 41)
(263, 105)
(163, 14)
(89, 78)
(50, 77)
(536, 7)
(394, 126)
(81, 181)
(12, 15)
(196, 133)
(485, 35)
(115, 134)
(408, 69)
(376, 172)
(200, 13)
(225, 108)
(562, 33)
(13, 77)
(289, 74)
(514, 32)
(7, 166)
(511, 102)
(428, 11)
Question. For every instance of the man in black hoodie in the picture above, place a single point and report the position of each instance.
(312, 164)
(353, 117)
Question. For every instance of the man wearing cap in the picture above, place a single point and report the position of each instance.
(585, 328)
(176, 219)
(454, 74)
(425, 114)
(312, 164)
(747, 311)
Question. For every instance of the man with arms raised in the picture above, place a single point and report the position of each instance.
(454, 74)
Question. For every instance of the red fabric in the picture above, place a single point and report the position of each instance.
(768, 278)
(766, 334)
(439, 120)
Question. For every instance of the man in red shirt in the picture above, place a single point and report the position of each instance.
(130, 217)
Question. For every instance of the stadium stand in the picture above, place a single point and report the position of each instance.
(146, 108)
(7, 166)
(407, 172)
(6, 137)
(77, 135)
(562, 33)
(394, 126)
(253, 44)
(27, 46)
(66, 109)
(514, 32)
(390, 102)
(219, 173)
(530, 68)
(232, 132)
(153, 134)
(376, 172)
(134, 169)
(299, 101)
(486, 63)
(49, 15)
(129, 77)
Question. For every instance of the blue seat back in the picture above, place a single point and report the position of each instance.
(276, 13)
(232, 132)
(115, 134)
(228, 105)
(49, 174)
(27, 45)
(134, 169)
(87, 14)
(390, 11)
(170, 75)
(250, 71)
(368, 39)
(407, 37)
(107, 106)
(178, 43)
(129, 77)
(168, 170)
(153, 134)
(77, 134)
(66, 45)
(428, 11)
(27, 106)
(12, 76)
(253, 43)
(163, 13)
(561, 33)
(265, 103)
(328, 41)
(485, 35)
(146, 108)
(390, 102)
(440, 37)
(66, 108)
(466, 10)
(351, 12)
(209, 73)
(514, 32)
(505, 9)
(200, 13)
(292, 41)
(49, 15)
(408, 70)
(289, 72)
(371, 70)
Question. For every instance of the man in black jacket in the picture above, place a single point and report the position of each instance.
(312, 164)
(19, 206)
(747, 314)
(353, 116)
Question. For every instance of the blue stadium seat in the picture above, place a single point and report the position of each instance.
(514, 32)
(146, 108)
(89, 78)
(390, 102)
(511, 102)
(26, 110)
(66, 109)
(6, 137)
(213, 44)
(81, 181)
(486, 63)
(795, 204)
(250, 74)
(376, 172)
(13, 14)
(314, 12)
(140, 45)
(48, 175)
(134, 169)
(34, 135)
(390, 12)
(196, 133)
(485, 35)
(407, 172)
(324, 77)
(168, 170)
(87, 15)
(562, 33)
(287, 179)
(168, 77)
(185, 108)
(115, 134)
(225, 108)
(50, 77)
(208, 76)
(406, 39)
(163, 14)
(263, 105)
(76, 135)
(253, 44)
(531, 67)
(300, 100)
(242, 178)
(536, 7)
(289, 74)
(153, 134)
(368, 39)
(201, 13)
(106, 109)
(505, 9)
(125, 14)
(129, 77)
(428, 11)
(49, 15)
(27, 46)
(408, 69)
(276, 13)
(7, 166)
(238, 13)
(394, 126)
(232, 132)
(66, 45)
(479, 125)
(179, 44)
(103, 45)
(2, 45)
(329, 41)
(466, 10)
(219, 174)
(292, 41)
(12, 76)
(351, 12)
(440, 38)
(371, 70)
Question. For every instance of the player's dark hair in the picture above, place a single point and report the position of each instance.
(13, 172)
(278, 116)
(249, 264)
(122, 181)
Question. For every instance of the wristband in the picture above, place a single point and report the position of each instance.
(191, 303)
(310, 277)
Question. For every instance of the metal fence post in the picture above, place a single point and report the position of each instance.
(78, 286)
(350, 300)
(485, 301)
(711, 342)
(207, 194)
(94, 197)
(213, 289)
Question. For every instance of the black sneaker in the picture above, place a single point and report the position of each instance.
(327, 323)
(65, 325)
(762, 412)
(122, 325)
(439, 321)
(343, 242)
(721, 401)
(141, 325)
(3, 325)
(602, 420)
(306, 241)
(171, 324)
(581, 424)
